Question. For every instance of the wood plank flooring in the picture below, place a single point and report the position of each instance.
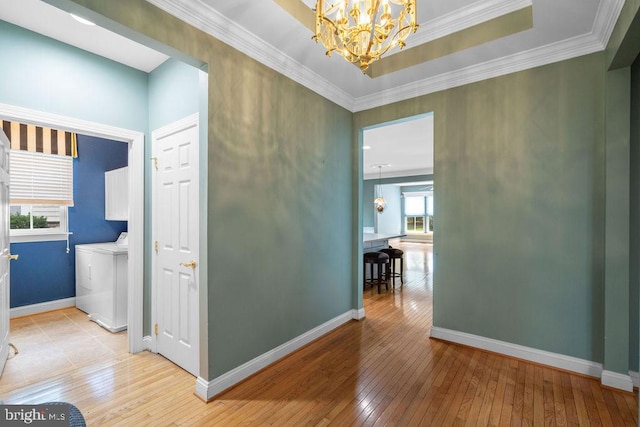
(383, 370)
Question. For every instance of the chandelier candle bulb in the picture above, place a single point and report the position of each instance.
(366, 30)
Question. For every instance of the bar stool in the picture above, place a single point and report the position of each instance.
(395, 254)
(382, 261)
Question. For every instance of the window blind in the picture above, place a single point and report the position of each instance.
(40, 179)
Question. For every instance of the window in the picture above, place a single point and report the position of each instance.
(41, 190)
(418, 213)
(414, 214)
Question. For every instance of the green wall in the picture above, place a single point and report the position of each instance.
(617, 246)
(279, 210)
(634, 222)
(521, 169)
(519, 165)
(279, 195)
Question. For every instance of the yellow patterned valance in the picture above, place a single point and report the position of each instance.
(40, 139)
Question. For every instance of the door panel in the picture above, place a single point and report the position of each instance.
(175, 219)
(4, 249)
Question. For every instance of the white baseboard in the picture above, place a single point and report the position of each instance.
(635, 378)
(27, 310)
(208, 389)
(568, 363)
(357, 314)
(147, 342)
(616, 380)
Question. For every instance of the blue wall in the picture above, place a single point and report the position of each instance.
(44, 271)
(50, 76)
(86, 217)
(174, 93)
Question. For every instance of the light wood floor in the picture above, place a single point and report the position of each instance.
(383, 370)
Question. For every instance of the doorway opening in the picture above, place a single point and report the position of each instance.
(135, 156)
(398, 165)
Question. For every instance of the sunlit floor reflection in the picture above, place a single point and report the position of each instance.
(418, 262)
(414, 296)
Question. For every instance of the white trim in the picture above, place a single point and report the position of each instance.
(147, 342)
(208, 389)
(135, 227)
(135, 294)
(43, 307)
(463, 18)
(96, 319)
(561, 361)
(207, 19)
(38, 237)
(606, 19)
(537, 57)
(618, 381)
(635, 378)
(358, 314)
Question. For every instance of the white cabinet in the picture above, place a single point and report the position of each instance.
(101, 283)
(116, 194)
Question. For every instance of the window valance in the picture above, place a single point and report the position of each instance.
(40, 139)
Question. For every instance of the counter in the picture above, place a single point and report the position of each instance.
(375, 241)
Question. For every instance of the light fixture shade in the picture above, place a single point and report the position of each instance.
(380, 203)
(364, 30)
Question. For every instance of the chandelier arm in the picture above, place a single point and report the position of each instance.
(373, 18)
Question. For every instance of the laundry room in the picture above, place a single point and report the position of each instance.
(55, 300)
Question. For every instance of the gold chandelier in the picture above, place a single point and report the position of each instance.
(364, 30)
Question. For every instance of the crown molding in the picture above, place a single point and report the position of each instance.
(518, 62)
(458, 20)
(606, 19)
(207, 19)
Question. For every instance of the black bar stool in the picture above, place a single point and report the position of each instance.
(395, 254)
(382, 261)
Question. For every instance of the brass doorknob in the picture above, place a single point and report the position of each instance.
(191, 264)
(12, 257)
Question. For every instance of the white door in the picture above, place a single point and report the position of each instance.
(5, 254)
(176, 233)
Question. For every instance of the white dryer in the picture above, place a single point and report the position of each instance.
(101, 283)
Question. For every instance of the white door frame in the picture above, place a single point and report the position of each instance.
(135, 140)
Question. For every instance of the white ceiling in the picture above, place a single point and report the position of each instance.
(403, 149)
(50, 21)
(562, 29)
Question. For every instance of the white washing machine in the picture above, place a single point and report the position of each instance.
(101, 282)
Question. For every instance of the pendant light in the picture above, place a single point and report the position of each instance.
(380, 202)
